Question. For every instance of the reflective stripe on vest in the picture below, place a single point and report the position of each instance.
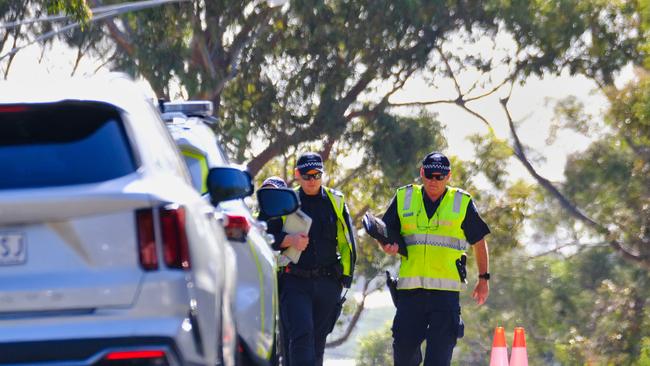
(433, 244)
(428, 283)
(344, 241)
(436, 240)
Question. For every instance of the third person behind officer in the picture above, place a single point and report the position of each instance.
(438, 223)
(310, 290)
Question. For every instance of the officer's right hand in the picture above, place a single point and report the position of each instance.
(299, 241)
(390, 248)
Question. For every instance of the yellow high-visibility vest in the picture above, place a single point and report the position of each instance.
(433, 245)
(343, 235)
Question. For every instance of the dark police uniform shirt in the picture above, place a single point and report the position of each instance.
(322, 247)
(473, 226)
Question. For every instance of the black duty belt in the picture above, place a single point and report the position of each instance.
(329, 271)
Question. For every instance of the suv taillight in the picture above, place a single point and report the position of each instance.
(176, 251)
(237, 227)
(175, 246)
(12, 108)
(144, 357)
(146, 240)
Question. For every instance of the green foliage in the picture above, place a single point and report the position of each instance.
(506, 213)
(492, 153)
(551, 32)
(644, 15)
(570, 114)
(396, 145)
(589, 308)
(78, 9)
(644, 358)
(376, 348)
(317, 70)
(159, 38)
(611, 179)
(630, 115)
(319, 76)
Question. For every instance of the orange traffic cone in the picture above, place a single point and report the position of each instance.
(499, 354)
(519, 356)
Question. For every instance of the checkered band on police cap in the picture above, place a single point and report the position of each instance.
(309, 161)
(275, 182)
(436, 162)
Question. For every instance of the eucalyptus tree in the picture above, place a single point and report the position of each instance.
(313, 71)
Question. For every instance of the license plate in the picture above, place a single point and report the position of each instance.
(13, 249)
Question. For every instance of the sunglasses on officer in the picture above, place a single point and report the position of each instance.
(315, 176)
(436, 176)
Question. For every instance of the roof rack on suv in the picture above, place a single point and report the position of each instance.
(193, 108)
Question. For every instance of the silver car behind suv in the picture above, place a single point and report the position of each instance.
(108, 255)
(256, 295)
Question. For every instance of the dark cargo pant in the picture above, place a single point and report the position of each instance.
(426, 314)
(307, 309)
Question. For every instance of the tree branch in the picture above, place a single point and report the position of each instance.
(558, 248)
(80, 54)
(432, 102)
(200, 54)
(491, 91)
(360, 213)
(479, 116)
(104, 63)
(120, 38)
(279, 144)
(564, 202)
(11, 57)
(242, 40)
(450, 71)
(327, 149)
(355, 319)
(351, 175)
(545, 183)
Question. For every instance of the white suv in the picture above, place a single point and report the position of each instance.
(108, 255)
(190, 124)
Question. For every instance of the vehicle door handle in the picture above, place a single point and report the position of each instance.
(219, 216)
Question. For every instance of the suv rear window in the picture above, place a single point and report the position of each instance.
(59, 144)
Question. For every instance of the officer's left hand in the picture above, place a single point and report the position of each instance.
(390, 248)
(481, 291)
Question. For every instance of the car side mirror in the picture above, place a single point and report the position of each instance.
(274, 202)
(228, 183)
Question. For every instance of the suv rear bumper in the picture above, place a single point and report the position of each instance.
(82, 338)
(82, 352)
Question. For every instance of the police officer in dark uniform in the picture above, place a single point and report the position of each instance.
(277, 182)
(438, 223)
(310, 290)
(274, 182)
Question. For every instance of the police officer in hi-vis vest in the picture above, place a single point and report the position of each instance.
(438, 223)
(310, 290)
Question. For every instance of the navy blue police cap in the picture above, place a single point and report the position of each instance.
(275, 182)
(436, 163)
(309, 161)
